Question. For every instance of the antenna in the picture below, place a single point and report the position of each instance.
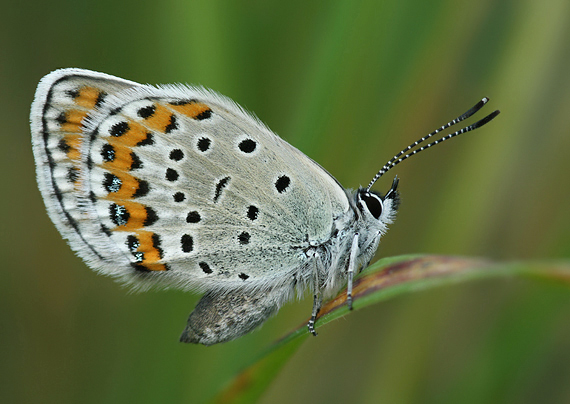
(397, 159)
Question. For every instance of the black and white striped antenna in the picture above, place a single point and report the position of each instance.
(398, 158)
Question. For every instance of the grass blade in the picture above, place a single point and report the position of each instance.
(389, 277)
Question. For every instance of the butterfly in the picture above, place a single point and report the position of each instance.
(176, 186)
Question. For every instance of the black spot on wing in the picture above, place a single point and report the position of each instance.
(247, 146)
(171, 174)
(204, 144)
(119, 129)
(172, 125)
(142, 189)
(72, 174)
(205, 267)
(147, 141)
(252, 212)
(108, 152)
(282, 183)
(187, 243)
(100, 99)
(112, 183)
(244, 238)
(147, 112)
(176, 155)
(156, 243)
(179, 197)
(118, 214)
(63, 146)
(61, 118)
(204, 115)
(193, 217)
(219, 187)
(137, 163)
(151, 216)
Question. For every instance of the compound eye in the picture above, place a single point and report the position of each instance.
(373, 203)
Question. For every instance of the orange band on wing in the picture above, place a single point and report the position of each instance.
(191, 110)
(73, 121)
(88, 97)
(160, 120)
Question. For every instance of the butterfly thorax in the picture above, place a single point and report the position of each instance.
(334, 252)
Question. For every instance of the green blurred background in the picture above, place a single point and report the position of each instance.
(349, 83)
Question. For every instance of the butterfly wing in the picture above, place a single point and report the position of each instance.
(63, 101)
(176, 185)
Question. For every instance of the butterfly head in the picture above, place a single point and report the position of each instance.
(380, 207)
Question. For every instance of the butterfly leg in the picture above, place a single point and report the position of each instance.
(317, 297)
(351, 270)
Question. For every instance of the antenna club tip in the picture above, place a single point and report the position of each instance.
(485, 100)
(494, 113)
